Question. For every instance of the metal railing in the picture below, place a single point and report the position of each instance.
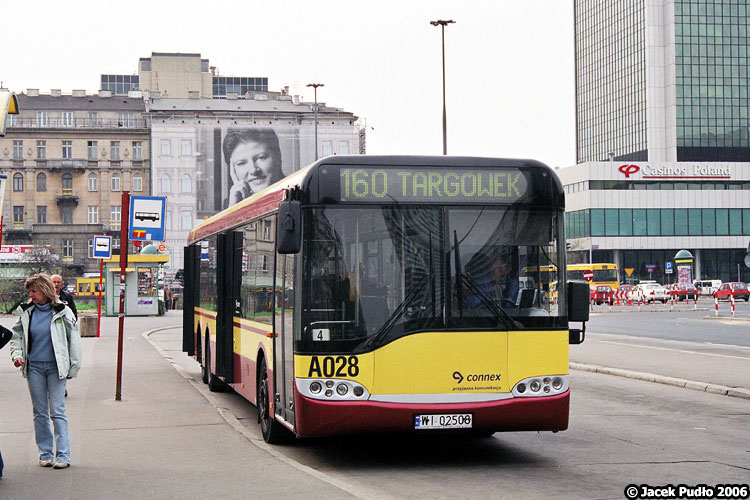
(77, 123)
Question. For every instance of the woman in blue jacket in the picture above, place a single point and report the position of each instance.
(46, 346)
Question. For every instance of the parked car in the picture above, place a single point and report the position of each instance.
(651, 292)
(602, 294)
(686, 291)
(739, 288)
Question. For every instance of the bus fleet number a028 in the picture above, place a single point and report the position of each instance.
(334, 366)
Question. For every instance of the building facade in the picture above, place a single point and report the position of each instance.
(662, 137)
(190, 167)
(68, 159)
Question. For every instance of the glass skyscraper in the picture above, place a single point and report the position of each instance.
(662, 80)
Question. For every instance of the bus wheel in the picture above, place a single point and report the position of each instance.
(269, 427)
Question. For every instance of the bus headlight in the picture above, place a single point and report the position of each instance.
(332, 389)
(548, 385)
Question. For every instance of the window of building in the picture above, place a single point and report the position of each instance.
(93, 150)
(166, 183)
(137, 150)
(114, 150)
(67, 214)
(680, 222)
(90, 245)
(186, 147)
(115, 182)
(93, 119)
(41, 118)
(166, 147)
(186, 186)
(626, 222)
(722, 221)
(93, 214)
(597, 222)
(115, 242)
(126, 120)
(708, 223)
(17, 149)
(93, 182)
(266, 230)
(18, 216)
(263, 263)
(67, 150)
(735, 221)
(639, 222)
(667, 222)
(694, 221)
(41, 182)
(41, 150)
(17, 182)
(137, 182)
(67, 184)
(115, 217)
(67, 119)
(327, 148)
(41, 214)
(611, 223)
(186, 220)
(653, 219)
(67, 249)
(343, 148)
(168, 220)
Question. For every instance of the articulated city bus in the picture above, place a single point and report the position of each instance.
(366, 294)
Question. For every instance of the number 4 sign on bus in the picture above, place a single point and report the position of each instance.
(147, 218)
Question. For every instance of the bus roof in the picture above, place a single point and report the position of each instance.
(321, 185)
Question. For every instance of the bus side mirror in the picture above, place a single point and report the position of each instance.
(289, 227)
(578, 308)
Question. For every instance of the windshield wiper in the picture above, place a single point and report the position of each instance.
(396, 315)
(500, 314)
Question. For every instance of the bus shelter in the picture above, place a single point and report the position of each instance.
(141, 284)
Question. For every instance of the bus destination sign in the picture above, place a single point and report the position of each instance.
(504, 185)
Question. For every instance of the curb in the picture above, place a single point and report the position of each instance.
(735, 392)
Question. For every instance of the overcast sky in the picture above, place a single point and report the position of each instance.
(509, 63)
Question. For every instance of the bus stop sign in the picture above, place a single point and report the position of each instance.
(588, 275)
(147, 218)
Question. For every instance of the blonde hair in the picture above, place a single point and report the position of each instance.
(44, 283)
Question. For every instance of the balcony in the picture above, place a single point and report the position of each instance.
(67, 198)
(31, 123)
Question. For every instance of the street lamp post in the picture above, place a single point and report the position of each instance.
(315, 89)
(442, 25)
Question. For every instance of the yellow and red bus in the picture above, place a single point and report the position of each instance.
(353, 297)
(604, 274)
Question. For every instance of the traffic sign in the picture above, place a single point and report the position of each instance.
(102, 247)
(588, 275)
(668, 267)
(147, 218)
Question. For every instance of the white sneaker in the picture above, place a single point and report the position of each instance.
(46, 463)
(61, 465)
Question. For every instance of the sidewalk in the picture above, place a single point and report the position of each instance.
(164, 440)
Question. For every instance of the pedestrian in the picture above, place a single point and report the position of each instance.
(46, 346)
(167, 298)
(5, 336)
(65, 296)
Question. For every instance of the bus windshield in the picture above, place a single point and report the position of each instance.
(373, 274)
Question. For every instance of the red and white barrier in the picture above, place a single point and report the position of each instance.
(716, 304)
(731, 298)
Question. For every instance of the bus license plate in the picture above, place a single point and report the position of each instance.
(443, 421)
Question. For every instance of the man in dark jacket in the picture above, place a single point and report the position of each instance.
(65, 297)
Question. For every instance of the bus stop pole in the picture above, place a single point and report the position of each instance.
(125, 221)
(99, 302)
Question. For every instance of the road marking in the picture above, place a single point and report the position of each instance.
(672, 350)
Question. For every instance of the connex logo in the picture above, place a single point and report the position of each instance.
(458, 376)
(629, 169)
(481, 377)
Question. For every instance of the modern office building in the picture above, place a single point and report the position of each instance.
(662, 137)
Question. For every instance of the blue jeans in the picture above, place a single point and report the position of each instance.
(48, 400)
